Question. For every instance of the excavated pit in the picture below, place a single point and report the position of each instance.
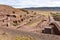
(51, 30)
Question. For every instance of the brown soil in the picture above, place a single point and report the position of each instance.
(27, 22)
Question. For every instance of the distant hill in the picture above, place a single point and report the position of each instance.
(45, 8)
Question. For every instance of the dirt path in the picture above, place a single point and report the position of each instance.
(36, 36)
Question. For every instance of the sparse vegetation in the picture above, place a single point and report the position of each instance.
(8, 15)
(13, 12)
(20, 15)
(15, 23)
(56, 16)
(14, 16)
(24, 11)
(23, 38)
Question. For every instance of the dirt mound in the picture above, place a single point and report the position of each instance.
(28, 21)
(20, 19)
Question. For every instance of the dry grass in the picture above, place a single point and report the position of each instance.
(56, 16)
(23, 38)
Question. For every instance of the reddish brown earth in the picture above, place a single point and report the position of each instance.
(29, 22)
(20, 19)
